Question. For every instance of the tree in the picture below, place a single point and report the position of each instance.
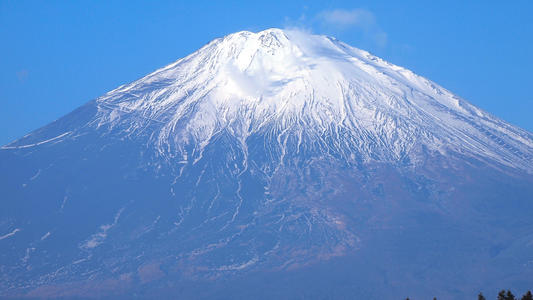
(481, 297)
(509, 296)
(501, 295)
(527, 296)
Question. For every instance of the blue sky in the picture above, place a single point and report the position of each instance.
(57, 55)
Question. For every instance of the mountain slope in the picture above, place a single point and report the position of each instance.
(276, 152)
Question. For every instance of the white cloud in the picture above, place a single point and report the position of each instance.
(360, 23)
(348, 18)
(358, 19)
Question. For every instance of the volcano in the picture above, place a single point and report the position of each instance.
(277, 164)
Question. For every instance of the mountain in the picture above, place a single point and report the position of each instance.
(276, 164)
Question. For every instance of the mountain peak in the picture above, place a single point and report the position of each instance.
(272, 32)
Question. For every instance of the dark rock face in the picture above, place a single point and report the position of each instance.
(94, 210)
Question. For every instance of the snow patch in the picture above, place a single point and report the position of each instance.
(12, 233)
(36, 175)
(241, 266)
(37, 144)
(98, 238)
(45, 236)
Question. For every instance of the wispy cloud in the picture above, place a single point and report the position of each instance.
(348, 18)
(358, 19)
(358, 22)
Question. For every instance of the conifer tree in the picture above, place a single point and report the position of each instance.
(509, 296)
(501, 295)
(481, 297)
(527, 296)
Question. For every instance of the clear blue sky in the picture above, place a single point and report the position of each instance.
(57, 55)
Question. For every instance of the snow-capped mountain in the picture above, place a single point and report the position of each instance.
(306, 88)
(277, 152)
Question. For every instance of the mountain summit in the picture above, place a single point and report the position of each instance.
(266, 158)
